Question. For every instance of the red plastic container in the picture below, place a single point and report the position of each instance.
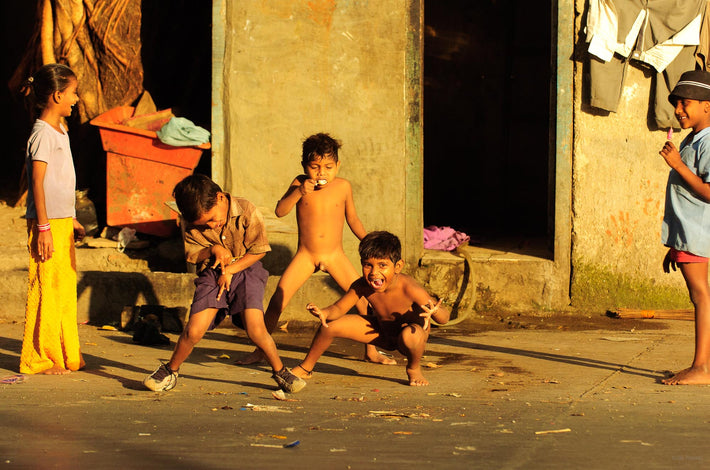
(141, 172)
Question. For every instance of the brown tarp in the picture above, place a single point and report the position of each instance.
(99, 40)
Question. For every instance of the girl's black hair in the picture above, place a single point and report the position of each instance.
(40, 87)
(380, 245)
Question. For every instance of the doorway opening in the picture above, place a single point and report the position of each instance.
(487, 158)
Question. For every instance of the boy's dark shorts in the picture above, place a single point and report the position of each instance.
(246, 291)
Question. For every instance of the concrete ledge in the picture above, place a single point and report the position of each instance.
(502, 279)
(102, 295)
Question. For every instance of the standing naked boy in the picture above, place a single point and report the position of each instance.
(226, 237)
(402, 310)
(323, 204)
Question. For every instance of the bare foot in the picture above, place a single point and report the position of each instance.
(254, 358)
(373, 355)
(56, 370)
(416, 379)
(690, 376)
(299, 371)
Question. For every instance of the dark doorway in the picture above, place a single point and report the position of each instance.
(487, 118)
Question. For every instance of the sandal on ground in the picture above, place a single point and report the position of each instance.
(288, 382)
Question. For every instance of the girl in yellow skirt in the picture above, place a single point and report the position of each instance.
(51, 340)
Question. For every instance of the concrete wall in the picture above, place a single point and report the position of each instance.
(285, 70)
(618, 199)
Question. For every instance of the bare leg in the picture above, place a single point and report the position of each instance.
(353, 327)
(696, 278)
(412, 342)
(194, 331)
(297, 272)
(258, 334)
(344, 274)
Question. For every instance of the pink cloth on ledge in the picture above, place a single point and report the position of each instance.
(443, 238)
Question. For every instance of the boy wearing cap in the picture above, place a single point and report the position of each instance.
(686, 221)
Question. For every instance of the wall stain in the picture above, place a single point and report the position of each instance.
(321, 12)
(622, 229)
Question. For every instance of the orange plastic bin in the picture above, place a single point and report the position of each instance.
(141, 172)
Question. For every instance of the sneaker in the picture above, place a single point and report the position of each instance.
(288, 382)
(162, 380)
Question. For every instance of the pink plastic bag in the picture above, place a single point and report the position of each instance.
(443, 238)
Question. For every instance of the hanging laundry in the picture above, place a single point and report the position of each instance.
(663, 34)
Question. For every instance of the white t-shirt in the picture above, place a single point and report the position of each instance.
(48, 145)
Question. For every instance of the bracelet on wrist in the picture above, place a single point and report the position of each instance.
(43, 227)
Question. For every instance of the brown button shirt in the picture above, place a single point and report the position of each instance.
(244, 232)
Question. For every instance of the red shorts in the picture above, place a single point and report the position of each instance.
(686, 257)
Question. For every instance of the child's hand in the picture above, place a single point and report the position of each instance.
(668, 263)
(670, 154)
(316, 312)
(79, 231)
(45, 245)
(222, 257)
(224, 281)
(308, 186)
(429, 309)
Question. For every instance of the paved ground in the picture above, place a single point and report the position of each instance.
(524, 396)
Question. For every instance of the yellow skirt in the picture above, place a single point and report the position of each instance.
(51, 336)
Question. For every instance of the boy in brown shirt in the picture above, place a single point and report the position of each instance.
(225, 236)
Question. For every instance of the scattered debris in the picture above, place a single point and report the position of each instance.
(635, 441)
(394, 414)
(272, 409)
(277, 446)
(13, 379)
(678, 314)
(225, 407)
(622, 338)
(554, 431)
(360, 398)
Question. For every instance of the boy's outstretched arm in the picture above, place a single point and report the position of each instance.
(335, 311)
(430, 308)
(434, 310)
(351, 216)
